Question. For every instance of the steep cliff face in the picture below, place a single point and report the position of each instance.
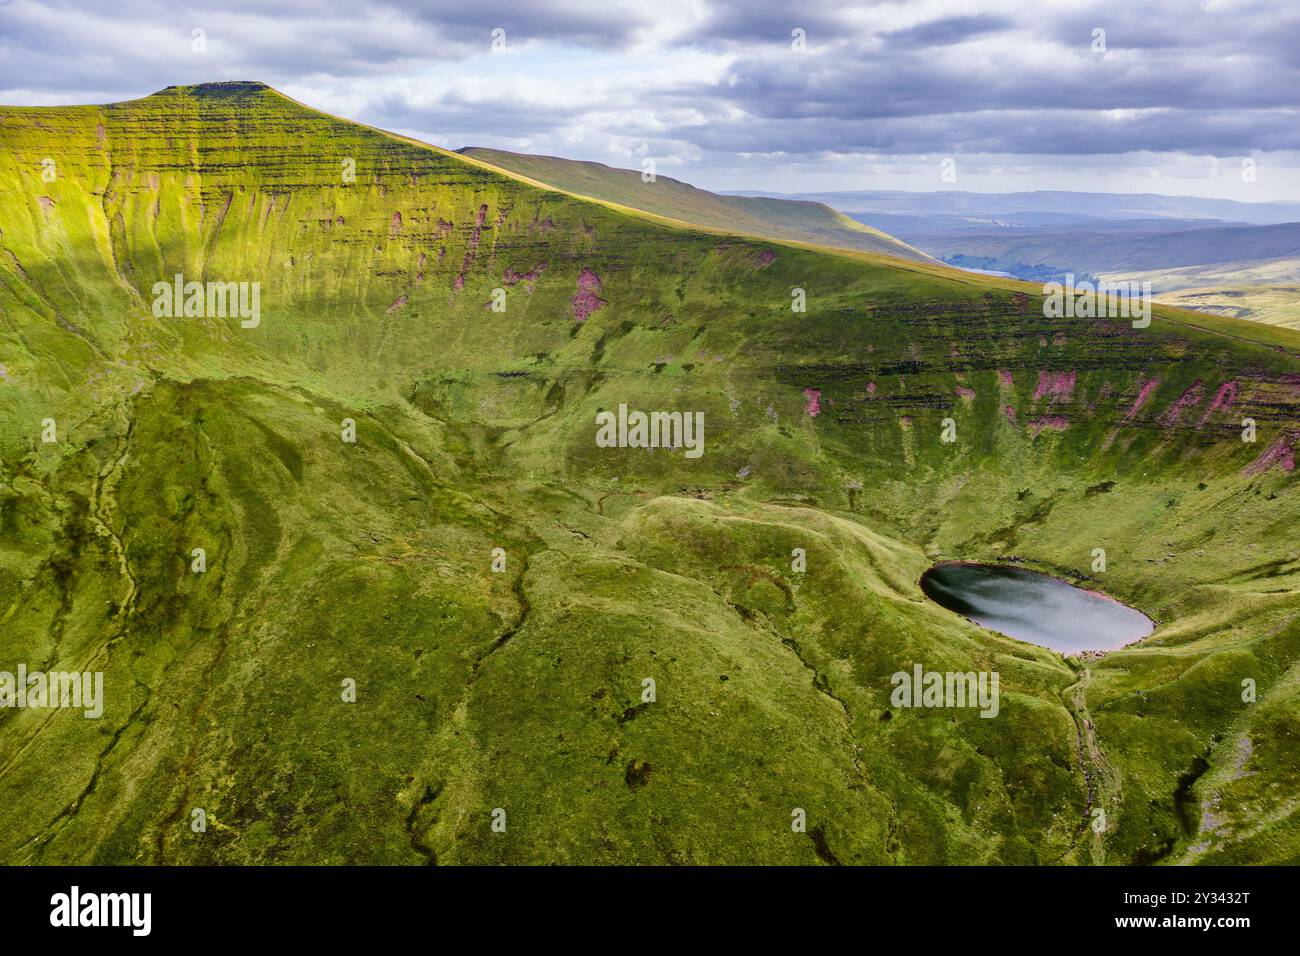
(389, 461)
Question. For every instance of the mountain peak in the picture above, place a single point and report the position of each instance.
(220, 88)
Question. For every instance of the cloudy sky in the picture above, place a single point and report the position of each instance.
(741, 94)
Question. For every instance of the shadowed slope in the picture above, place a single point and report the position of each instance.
(523, 688)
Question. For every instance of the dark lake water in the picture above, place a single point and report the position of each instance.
(1034, 607)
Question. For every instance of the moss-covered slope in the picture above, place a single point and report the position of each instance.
(522, 688)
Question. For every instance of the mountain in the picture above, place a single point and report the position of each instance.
(1248, 272)
(793, 220)
(364, 585)
(1027, 208)
(1217, 256)
(1131, 251)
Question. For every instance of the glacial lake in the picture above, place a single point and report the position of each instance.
(1034, 607)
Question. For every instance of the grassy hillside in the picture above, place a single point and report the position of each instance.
(1247, 272)
(523, 689)
(1267, 291)
(1127, 252)
(790, 219)
(1273, 304)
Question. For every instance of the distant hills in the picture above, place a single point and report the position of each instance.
(1136, 249)
(365, 587)
(1030, 208)
(1212, 255)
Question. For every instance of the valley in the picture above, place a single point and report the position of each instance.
(497, 584)
(1218, 256)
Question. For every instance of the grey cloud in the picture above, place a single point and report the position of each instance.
(589, 24)
(1032, 133)
(949, 30)
(745, 22)
(1174, 78)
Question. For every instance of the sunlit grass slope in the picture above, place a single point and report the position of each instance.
(524, 689)
(789, 219)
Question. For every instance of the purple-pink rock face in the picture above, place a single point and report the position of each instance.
(1189, 399)
(1144, 393)
(1053, 422)
(586, 301)
(468, 262)
(1055, 386)
(813, 401)
(765, 258)
(512, 277)
(1223, 399)
(1280, 453)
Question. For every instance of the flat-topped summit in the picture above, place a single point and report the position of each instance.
(218, 88)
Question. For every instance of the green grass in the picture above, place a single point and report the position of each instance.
(788, 219)
(1272, 304)
(522, 690)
